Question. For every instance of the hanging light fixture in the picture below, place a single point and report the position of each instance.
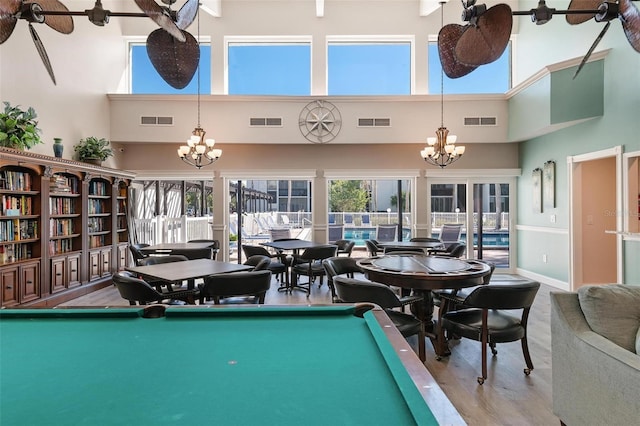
(199, 151)
(441, 150)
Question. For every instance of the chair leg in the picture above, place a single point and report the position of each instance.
(484, 340)
(494, 351)
(527, 357)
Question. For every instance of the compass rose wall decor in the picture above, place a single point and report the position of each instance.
(320, 121)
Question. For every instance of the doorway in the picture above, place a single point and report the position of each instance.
(595, 201)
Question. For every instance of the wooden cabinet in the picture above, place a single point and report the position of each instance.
(63, 227)
(100, 263)
(20, 283)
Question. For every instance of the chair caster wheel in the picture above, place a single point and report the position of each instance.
(438, 358)
(527, 371)
(494, 352)
(480, 380)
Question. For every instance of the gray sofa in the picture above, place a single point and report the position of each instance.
(596, 381)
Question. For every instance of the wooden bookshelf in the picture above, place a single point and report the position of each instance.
(63, 227)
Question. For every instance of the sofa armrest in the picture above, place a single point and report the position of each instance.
(594, 381)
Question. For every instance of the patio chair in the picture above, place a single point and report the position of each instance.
(280, 234)
(336, 232)
(450, 233)
(387, 233)
(365, 220)
(348, 219)
(332, 218)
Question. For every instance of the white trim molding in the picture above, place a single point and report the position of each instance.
(545, 229)
(562, 285)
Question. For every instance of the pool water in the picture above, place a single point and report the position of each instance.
(489, 239)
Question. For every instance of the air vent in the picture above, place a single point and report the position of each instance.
(265, 122)
(480, 121)
(374, 122)
(156, 121)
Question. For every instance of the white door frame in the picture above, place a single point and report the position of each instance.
(572, 164)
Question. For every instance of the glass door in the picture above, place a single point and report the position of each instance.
(483, 209)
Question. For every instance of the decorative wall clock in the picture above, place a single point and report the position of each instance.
(320, 121)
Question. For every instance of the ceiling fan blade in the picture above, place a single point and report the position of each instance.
(187, 14)
(160, 17)
(8, 20)
(485, 41)
(592, 48)
(630, 17)
(61, 23)
(176, 62)
(42, 52)
(579, 18)
(447, 39)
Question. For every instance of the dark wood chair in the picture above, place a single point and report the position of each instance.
(279, 265)
(353, 290)
(455, 250)
(373, 248)
(155, 260)
(335, 266)
(345, 246)
(484, 317)
(259, 262)
(309, 264)
(215, 246)
(137, 254)
(236, 288)
(138, 291)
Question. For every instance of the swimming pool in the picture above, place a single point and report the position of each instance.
(489, 238)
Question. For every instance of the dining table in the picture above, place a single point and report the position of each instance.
(411, 245)
(169, 248)
(423, 273)
(188, 270)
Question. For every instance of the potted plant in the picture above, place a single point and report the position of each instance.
(93, 150)
(18, 128)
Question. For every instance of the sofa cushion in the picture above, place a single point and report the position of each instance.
(613, 311)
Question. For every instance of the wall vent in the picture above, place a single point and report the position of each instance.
(480, 121)
(156, 121)
(374, 122)
(265, 122)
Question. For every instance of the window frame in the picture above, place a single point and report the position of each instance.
(374, 39)
(265, 40)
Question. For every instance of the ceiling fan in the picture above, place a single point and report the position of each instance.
(172, 50)
(463, 48)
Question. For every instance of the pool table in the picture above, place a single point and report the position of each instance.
(193, 365)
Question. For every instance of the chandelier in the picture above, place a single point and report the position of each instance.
(199, 151)
(441, 150)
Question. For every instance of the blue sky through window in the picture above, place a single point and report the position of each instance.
(369, 69)
(146, 80)
(491, 78)
(270, 69)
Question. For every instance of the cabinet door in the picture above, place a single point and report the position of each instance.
(73, 270)
(9, 281)
(58, 275)
(123, 255)
(105, 257)
(29, 282)
(94, 265)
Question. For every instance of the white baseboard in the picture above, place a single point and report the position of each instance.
(560, 285)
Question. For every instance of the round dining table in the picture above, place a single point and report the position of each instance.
(421, 274)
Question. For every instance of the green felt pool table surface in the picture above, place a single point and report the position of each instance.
(224, 366)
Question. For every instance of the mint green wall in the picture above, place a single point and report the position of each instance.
(632, 262)
(620, 125)
(575, 99)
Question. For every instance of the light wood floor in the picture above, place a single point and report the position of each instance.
(508, 397)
